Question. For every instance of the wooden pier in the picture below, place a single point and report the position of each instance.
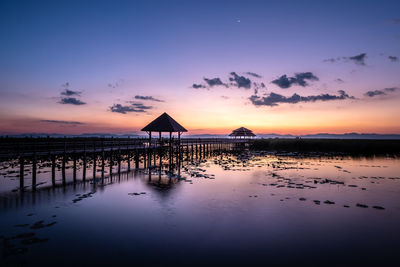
(100, 153)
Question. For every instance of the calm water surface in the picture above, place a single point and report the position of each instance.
(251, 209)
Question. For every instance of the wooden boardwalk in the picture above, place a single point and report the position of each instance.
(93, 151)
(47, 146)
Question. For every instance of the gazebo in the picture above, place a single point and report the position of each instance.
(164, 123)
(242, 132)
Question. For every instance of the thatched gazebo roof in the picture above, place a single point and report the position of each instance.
(164, 123)
(242, 132)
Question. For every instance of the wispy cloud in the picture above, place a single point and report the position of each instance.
(62, 122)
(67, 96)
(393, 58)
(133, 107)
(274, 99)
(299, 79)
(384, 91)
(71, 101)
(396, 21)
(149, 98)
(198, 86)
(68, 92)
(254, 74)
(357, 59)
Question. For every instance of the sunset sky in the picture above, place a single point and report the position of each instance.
(286, 67)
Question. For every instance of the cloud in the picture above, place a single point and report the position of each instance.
(257, 87)
(66, 96)
(141, 106)
(274, 99)
(393, 58)
(299, 79)
(149, 98)
(240, 81)
(214, 82)
(374, 93)
(358, 59)
(71, 100)
(338, 80)
(62, 122)
(68, 92)
(113, 85)
(396, 21)
(381, 92)
(254, 74)
(224, 97)
(198, 86)
(133, 107)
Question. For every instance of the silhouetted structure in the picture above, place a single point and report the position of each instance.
(164, 123)
(242, 133)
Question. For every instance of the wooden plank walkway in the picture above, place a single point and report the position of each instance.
(44, 147)
(89, 151)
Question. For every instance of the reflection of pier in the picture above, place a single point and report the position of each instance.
(157, 180)
(102, 154)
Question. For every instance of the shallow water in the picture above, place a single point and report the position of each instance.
(253, 208)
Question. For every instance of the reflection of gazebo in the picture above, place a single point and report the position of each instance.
(164, 123)
(242, 133)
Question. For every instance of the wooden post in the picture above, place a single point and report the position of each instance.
(63, 169)
(74, 168)
(102, 164)
(53, 170)
(21, 173)
(129, 160)
(34, 166)
(63, 163)
(111, 164)
(119, 159)
(84, 162)
(137, 159)
(144, 158)
(155, 157)
(94, 166)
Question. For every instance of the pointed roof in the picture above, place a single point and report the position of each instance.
(164, 123)
(242, 132)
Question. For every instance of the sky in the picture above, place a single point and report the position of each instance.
(284, 67)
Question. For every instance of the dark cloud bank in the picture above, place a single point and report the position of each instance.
(274, 99)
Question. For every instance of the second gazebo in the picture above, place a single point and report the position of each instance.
(242, 133)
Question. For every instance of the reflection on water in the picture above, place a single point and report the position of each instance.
(249, 208)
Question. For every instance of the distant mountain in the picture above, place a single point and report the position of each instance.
(335, 136)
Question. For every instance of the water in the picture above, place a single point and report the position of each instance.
(252, 209)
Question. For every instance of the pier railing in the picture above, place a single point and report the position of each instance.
(14, 147)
